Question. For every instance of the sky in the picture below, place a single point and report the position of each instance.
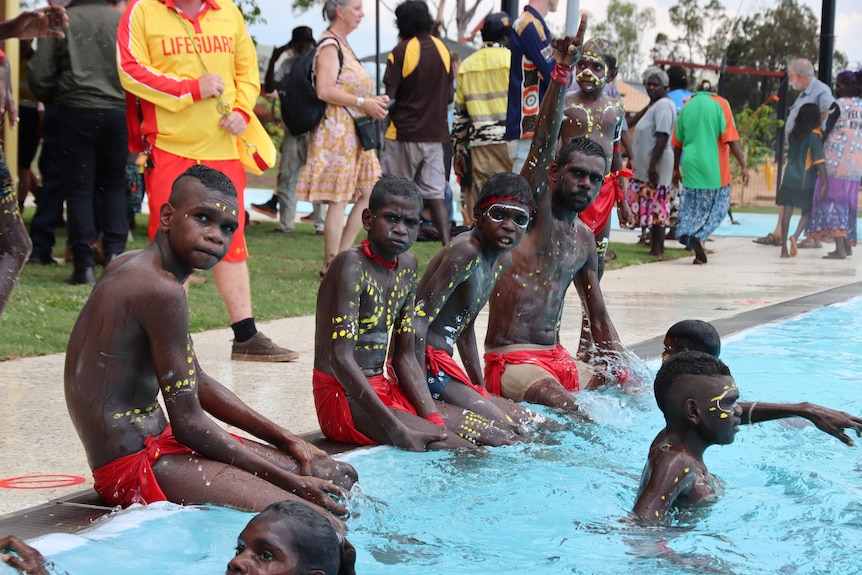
(281, 20)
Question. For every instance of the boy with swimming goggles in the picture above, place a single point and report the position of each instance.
(456, 286)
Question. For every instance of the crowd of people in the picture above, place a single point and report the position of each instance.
(385, 338)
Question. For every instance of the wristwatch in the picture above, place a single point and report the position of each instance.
(359, 101)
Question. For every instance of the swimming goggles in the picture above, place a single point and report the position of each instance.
(499, 212)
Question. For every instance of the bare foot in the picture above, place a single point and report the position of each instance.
(699, 251)
(784, 254)
(834, 256)
(794, 249)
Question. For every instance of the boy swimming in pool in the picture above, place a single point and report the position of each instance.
(699, 399)
(368, 292)
(456, 286)
(131, 342)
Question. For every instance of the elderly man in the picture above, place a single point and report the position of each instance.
(800, 75)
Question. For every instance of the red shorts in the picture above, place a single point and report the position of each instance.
(556, 361)
(333, 410)
(159, 180)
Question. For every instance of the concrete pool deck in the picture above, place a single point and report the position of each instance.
(743, 285)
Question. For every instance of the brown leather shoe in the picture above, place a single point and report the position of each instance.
(261, 348)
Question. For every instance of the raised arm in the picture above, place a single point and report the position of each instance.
(826, 420)
(269, 84)
(544, 145)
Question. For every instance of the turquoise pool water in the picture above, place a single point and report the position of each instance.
(791, 502)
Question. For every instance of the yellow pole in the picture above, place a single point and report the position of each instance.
(12, 8)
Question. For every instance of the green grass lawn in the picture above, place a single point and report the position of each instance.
(284, 279)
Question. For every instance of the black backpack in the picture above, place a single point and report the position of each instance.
(301, 109)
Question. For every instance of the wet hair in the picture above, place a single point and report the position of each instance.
(677, 78)
(210, 178)
(807, 119)
(657, 72)
(695, 335)
(582, 145)
(329, 7)
(684, 363)
(393, 186)
(853, 81)
(412, 18)
(316, 543)
(802, 67)
(509, 186)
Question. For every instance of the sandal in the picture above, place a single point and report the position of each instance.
(769, 239)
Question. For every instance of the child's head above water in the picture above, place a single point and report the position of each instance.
(692, 335)
(681, 379)
(290, 538)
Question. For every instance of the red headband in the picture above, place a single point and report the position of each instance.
(494, 200)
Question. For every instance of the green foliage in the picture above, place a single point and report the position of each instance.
(625, 26)
(757, 129)
(704, 30)
(250, 12)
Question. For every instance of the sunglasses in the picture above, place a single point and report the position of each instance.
(499, 212)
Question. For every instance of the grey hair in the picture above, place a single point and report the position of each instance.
(657, 72)
(329, 7)
(802, 67)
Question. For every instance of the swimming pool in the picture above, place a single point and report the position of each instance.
(792, 500)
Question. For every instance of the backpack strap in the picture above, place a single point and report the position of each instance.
(320, 44)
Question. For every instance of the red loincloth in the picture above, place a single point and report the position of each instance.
(598, 213)
(437, 360)
(556, 361)
(333, 411)
(130, 479)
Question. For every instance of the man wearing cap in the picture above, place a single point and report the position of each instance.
(294, 149)
(480, 109)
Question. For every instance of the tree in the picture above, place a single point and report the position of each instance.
(704, 30)
(250, 12)
(625, 27)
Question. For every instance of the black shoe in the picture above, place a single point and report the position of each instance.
(268, 209)
(37, 261)
(85, 276)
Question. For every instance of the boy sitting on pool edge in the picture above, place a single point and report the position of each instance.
(456, 286)
(131, 342)
(368, 292)
(698, 397)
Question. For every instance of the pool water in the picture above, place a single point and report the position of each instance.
(791, 496)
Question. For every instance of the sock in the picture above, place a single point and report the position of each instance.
(243, 330)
